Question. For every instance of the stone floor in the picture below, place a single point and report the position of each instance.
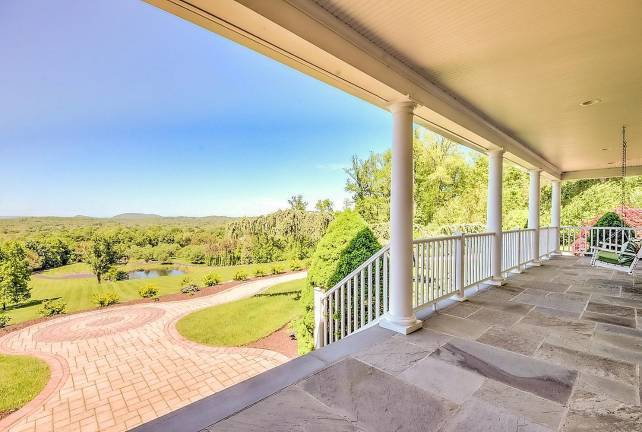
(559, 347)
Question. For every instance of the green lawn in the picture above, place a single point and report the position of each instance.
(21, 379)
(78, 293)
(244, 321)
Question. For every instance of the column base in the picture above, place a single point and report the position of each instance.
(497, 281)
(403, 328)
(535, 263)
(459, 298)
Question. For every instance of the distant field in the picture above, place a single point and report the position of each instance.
(78, 293)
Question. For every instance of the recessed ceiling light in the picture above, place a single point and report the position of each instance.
(604, 149)
(590, 102)
(611, 163)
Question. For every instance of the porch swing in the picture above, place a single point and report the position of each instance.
(630, 252)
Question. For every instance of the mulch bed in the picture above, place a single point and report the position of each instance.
(166, 298)
(281, 341)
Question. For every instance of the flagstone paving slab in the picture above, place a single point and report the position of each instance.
(541, 378)
(589, 363)
(394, 356)
(354, 389)
(443, 379)
(609, 319)
(610, 309)
(534, 408)
(516, 339)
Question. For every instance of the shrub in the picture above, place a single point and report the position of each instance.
(260, 272)
(240, 275)
(296, 265)
(105, 299)
(52, 307)
(347, 243)
(609, 219)
(148, 291)
(276, 269)
(4, 320)
(211, 279)
(189, 287)
(115, 274)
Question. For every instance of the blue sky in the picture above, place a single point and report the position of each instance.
(111, 106)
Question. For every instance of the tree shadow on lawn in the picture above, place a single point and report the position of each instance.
(297, 294)
(32, 302)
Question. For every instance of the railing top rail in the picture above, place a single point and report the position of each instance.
(431, 239)
(594, 227)
(484, 234)
(362, 266)
(516, 230)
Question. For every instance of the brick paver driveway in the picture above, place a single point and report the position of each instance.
(117, 368)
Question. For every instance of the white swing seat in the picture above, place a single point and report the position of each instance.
(625, 260)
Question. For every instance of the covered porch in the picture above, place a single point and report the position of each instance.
(557, 347)
(544, 341)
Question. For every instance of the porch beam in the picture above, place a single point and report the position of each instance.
(602, 173)
(401, 317)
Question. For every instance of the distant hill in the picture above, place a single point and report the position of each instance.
(136, 216)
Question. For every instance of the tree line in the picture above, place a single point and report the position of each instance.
(450, 191)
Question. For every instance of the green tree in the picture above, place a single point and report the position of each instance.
(15, 274)
(297, 203)
(103, 254)
(324, 205)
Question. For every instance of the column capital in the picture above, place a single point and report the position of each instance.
(496, 152)
(535, 170)
(404, 104)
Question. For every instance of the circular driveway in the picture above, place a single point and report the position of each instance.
(114, 369)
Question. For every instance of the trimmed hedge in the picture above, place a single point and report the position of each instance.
(347, 243)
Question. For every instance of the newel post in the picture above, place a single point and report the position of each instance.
(459, 265)
(319, 318)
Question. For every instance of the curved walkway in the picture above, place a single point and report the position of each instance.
(114, 369)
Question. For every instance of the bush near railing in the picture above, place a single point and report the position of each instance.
(347, 243)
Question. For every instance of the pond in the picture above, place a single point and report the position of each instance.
(149, 274)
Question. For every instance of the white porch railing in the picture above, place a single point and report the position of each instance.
(580, 240)
(442, 267)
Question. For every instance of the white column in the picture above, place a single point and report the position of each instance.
(400, 316)
(533, 212)
(494, 212)
(556, 211)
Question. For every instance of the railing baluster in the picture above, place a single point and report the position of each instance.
(377, 288)
(342, 309)
(370, 293)
(355, 302)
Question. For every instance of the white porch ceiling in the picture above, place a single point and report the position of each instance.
(525, 65)
(490, 73)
